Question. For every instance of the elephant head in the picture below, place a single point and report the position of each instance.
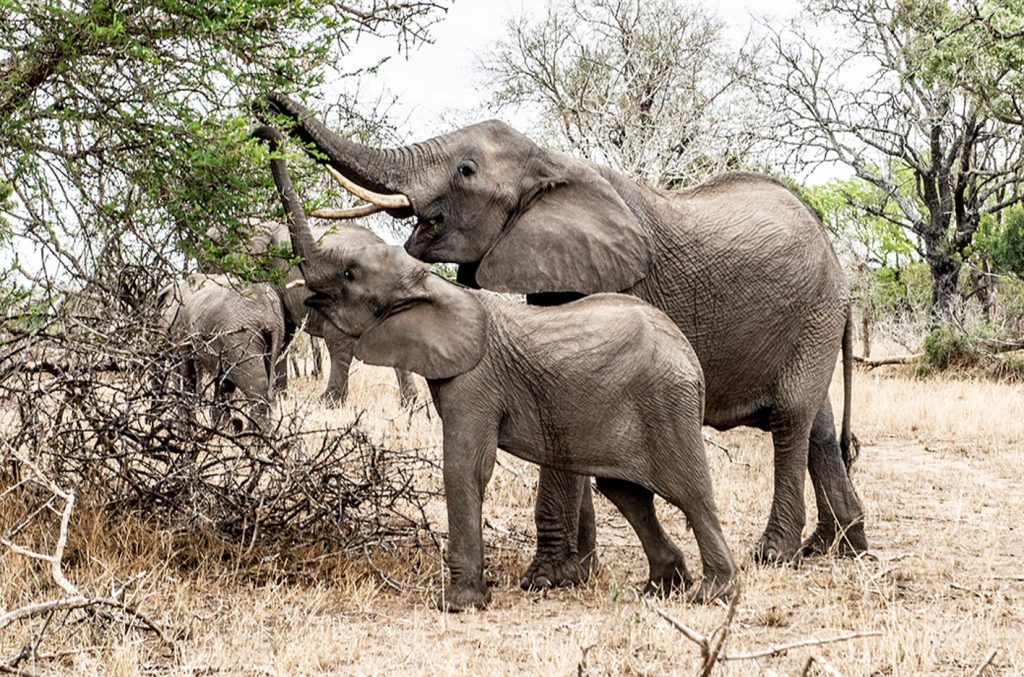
(402, 314)
(487, 196)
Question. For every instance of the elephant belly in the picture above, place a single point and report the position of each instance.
(756, 330)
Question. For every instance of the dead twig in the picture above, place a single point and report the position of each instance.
(987, 662)
(825, 666)
(776, 649)
(712, 645)
(718, 445)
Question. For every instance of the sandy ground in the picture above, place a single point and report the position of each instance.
(941, 475)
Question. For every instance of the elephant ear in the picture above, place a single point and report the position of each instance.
(163, 297)
(573, 233)
(440, 333)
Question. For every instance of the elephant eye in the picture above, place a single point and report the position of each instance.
(348, 274)
(466, 170)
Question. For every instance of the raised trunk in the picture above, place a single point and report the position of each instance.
(380, 170)
(302, 238)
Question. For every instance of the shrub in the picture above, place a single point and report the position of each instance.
(945, 348)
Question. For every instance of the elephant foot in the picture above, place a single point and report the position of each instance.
(662, 585)
(712, 589)
(831, 538)
(551, 572)
(777, 550)
(463, 596)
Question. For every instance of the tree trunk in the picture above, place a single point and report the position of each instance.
(865, 331)
(984, 284)
(945, 271)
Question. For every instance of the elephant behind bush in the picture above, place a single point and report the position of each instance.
(272, 237)
(230, 330)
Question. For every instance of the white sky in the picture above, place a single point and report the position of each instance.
(438, 87)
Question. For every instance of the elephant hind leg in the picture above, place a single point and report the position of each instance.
(840, 516)
(564, 516)
(667, 567)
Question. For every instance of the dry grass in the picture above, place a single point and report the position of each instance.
(941, 475)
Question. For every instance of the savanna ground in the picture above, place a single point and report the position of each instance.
(941, 474)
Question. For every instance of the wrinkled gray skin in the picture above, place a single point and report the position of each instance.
(606, 386)
(230, 330)
(739, 263)
(267, 235)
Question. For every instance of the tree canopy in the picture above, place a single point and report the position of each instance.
(125, 121)
(647, 87)
(906, 108)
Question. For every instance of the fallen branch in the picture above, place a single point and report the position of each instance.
(872, 362)
(776, 649)
(73, 599)
(78, 602)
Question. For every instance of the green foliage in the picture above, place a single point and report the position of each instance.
(126, 124)
(1003, 240)
(976, 46)
(852, 211)
(946, 348)
(900, 292)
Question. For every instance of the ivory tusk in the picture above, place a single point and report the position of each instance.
(353, 213)
(396, 201)
(295, 283)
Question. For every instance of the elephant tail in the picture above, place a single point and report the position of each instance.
(848, 443)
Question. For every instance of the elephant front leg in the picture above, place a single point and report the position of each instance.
(566, 533)
(468, 464)
(406, 387)
(780, 542)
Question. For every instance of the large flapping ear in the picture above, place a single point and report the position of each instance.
(440, 333)
(573, 233)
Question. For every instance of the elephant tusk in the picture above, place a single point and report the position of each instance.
(353, 213)
(295, 283)
(396, 201)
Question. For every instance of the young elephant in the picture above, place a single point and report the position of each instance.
(606, 386)
(269, 236)
(230, 330)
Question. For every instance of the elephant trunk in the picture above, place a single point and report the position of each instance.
(374, 170)
(302, 238)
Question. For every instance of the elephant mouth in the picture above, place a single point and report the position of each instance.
(426, 231)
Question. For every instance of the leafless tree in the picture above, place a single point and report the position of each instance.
(650, 87)
(850, 86)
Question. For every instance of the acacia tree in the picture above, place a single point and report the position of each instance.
(649, 87)
(919, 133)
(124, 120)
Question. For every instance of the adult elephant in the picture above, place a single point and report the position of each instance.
(739, 263)
(272, 236)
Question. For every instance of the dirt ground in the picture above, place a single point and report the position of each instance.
(941, 475)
